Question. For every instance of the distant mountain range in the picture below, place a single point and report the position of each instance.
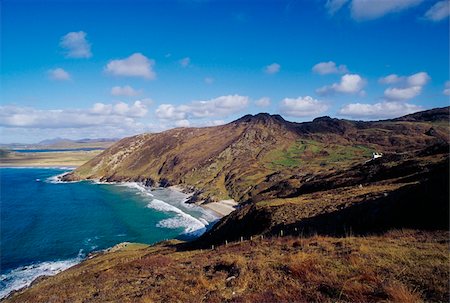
(63, 143)
(59, 141)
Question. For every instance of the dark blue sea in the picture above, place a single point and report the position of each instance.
(48, 226)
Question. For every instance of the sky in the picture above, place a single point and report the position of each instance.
(110, 68)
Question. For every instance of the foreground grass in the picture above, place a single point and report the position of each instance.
(401, 266)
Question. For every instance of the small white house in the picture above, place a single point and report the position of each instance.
(376, 155)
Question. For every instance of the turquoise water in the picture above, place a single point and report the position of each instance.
(47, 226)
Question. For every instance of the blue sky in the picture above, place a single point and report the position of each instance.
(80, 69)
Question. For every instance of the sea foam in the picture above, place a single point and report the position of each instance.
(192, 226)
(24, 275)
(57, 179)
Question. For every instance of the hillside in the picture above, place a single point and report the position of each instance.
(246, 157)
(402, 266)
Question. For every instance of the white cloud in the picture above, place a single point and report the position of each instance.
(137, 109)
(381, 110)
(373, 9)
(185, 62)
(402, 93)
(263, 102)
(272, 68)
(182, 123)
(209, 80)
(58, 74)
(333, 6)
(302, 107)
(136, 65)
(99, 115)
(408, 87)
(218, 107)
(324, 68)
(124, 91)
(419, 79)
(447, 88)
(349, 84)
(170, 112)
(439, 11)
(390, 79)
(76, 45)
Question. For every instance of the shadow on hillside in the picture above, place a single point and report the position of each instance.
(419, 206)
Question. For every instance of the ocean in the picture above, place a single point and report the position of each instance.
(47, 226)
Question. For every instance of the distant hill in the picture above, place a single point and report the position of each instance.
(63, 141)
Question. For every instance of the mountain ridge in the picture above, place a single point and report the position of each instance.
(231, 160)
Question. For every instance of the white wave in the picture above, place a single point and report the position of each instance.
(138, 186)
(25, 275)
(191, 225)
(57, 179)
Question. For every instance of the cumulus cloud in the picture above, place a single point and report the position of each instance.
(182, 123)
(302, 107)
(373, 9)
(407, 87)
(324, 68)
(402, 93)
(218, 107)
(349, 84)
(100, 114)
(75, 45)
(332, 6)
(381, 110)
(447, 88)
(58, 74)
(263, 102)
(124, 91)
(185, 62)
(439, 11)
(136, 65)
(272, 68)
(390, 79)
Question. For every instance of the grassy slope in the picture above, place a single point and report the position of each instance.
(401, 266)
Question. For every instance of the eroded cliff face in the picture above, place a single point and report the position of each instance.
(256, 155)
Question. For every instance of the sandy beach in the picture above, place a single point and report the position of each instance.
(46, 159)
(221, 208)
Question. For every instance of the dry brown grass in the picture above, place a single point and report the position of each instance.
(401, 266)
